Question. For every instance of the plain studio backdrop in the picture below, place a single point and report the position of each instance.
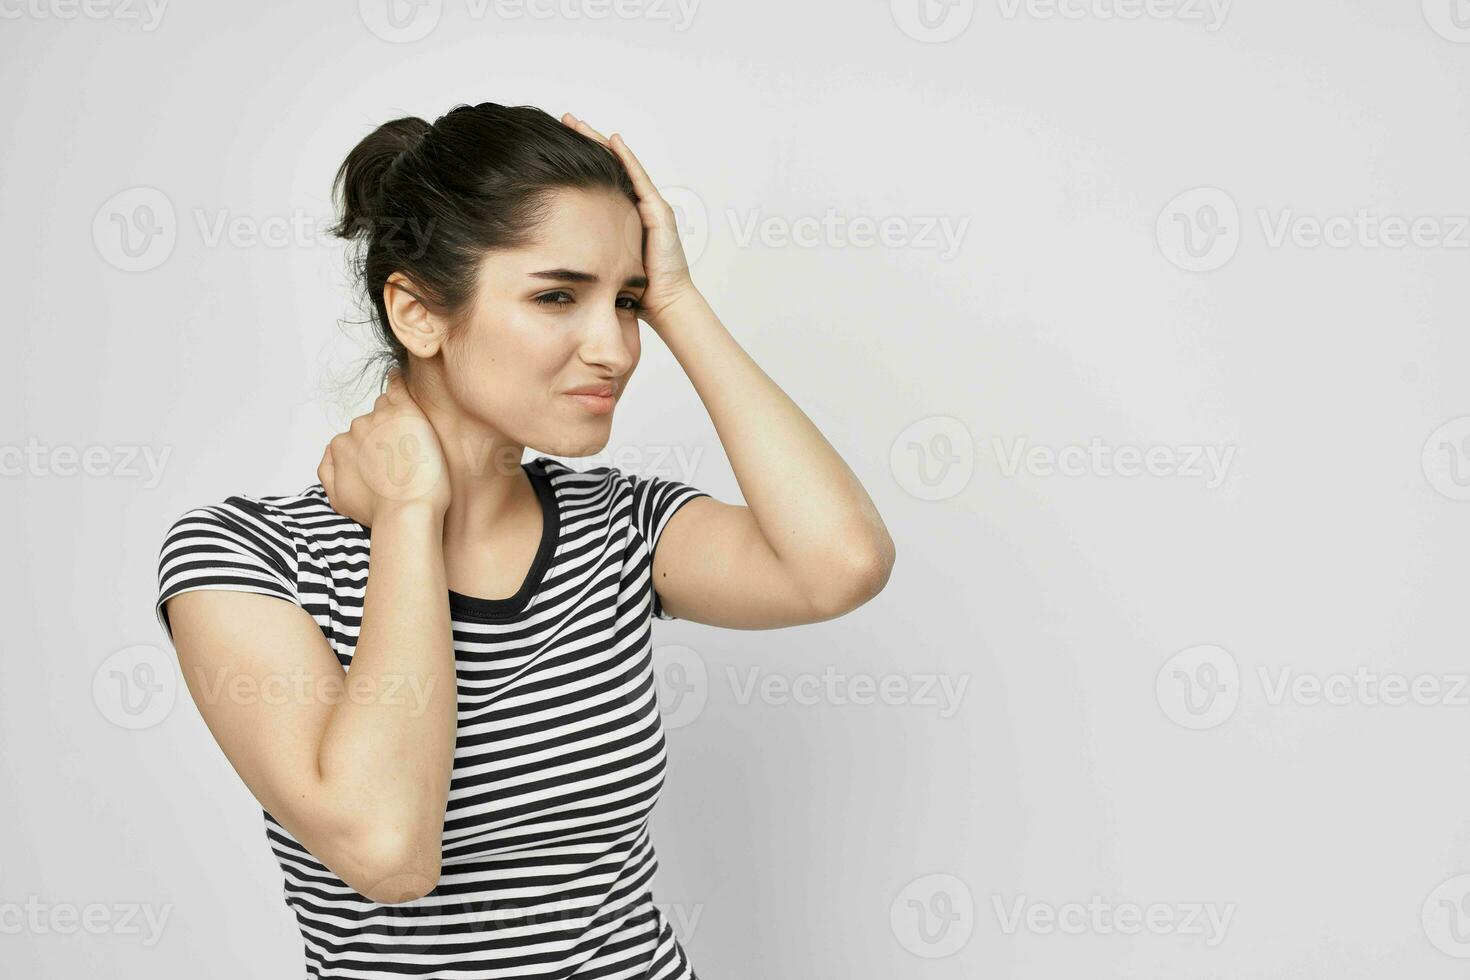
(1144, 324)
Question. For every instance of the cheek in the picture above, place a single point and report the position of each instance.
(506, 359)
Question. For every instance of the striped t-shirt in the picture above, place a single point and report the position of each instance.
(559, 756)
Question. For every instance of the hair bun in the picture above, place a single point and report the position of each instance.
(358, 186)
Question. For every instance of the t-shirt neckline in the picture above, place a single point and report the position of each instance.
(483, 610)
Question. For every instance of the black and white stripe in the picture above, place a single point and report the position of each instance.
(560, 753)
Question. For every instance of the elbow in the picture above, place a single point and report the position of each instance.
(396, 869)
(855, 578)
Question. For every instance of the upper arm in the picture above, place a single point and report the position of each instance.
(712, 564)
(263, 678)
(259, 668)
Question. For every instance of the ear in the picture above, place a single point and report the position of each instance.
(418, 329)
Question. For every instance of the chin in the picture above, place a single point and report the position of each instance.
(574, 442)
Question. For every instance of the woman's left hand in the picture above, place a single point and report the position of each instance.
(663, 254)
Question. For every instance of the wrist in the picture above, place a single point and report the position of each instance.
(416, 512)
(677, 308)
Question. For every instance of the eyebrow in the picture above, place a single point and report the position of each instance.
(572, 275)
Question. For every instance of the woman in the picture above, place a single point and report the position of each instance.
(494, 752)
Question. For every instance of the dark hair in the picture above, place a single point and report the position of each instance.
(428, 201)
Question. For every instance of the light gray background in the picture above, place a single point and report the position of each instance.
(1117, 643)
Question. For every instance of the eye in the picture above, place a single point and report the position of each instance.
(560, 297)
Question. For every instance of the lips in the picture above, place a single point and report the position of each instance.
(598, 399)
(607, 389)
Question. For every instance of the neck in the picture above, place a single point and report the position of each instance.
(486, 482)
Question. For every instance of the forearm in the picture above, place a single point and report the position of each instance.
(811, 508)
(388, 749)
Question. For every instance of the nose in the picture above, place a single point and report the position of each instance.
(605, 341)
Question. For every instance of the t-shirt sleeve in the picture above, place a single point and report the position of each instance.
(239, 546)
(654, 501)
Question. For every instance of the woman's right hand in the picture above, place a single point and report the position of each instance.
(387, 458)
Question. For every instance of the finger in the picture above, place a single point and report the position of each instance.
(581, 126)
(326, 470)
(642, 183)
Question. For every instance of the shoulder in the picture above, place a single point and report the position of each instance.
(583, 490)
(278, 531)
(279, 516)
(241, 543)
(611, 483)
(564, 472)
(642, 501)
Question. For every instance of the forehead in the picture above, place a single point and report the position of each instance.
(594, 231)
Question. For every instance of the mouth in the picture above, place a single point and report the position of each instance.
(596, 399)
(596, 404)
